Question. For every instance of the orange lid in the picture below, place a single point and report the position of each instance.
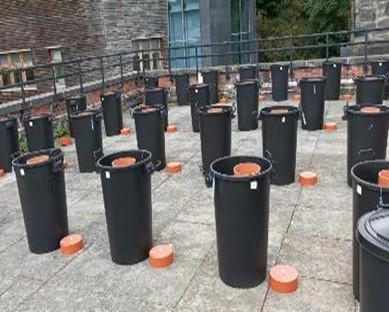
(171, 129)
(123, 162)
(347, 97)
(224, 101)
(2, 173)
(215, 110)
(283, 278)
(247, 169)
(296, 98)
(307, 178)
(37, 159)
(173, 167)
(148, 109)
(161, 256)
(65, 141)
(71, 244)
(125, 131)
(330, 126)
(383, 178)
(370, 110)
(279, 111)
(262, 98)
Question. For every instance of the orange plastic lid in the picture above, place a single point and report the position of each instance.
(370, 110)
(125, 131)
(283, 278)
(161, 256)
(330, 126)
(85, 113)
(307, 178)
(2, 173)
(215, 110)
(173, 167)
(37, 159)
(279, 111)
(296, 97)
(347, 97)
(171, 129)
(247, 169)
(65, 141)
(383, 178)
(71, 244)
(262, 98)
(123, 162)
(148, 109)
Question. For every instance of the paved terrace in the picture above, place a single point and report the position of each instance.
(310, 228)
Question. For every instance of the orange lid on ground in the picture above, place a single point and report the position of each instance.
(123, 162)
(347, 97)
(65, 141)
(173, 167)
(370, 110)
(383, 178)
(171, 129)
(125, 131)
(262, 98)
(2, 173)
(37, 159)
(283, 278)
(71, 244)
(296, 97)
(330, 126)
(247, 169)
(161, 256)
(307, 178)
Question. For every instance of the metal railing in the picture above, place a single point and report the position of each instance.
(98, 68)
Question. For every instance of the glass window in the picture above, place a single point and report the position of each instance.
(4, 59)
(15, 58)
(146, 61)
(155, 44)
(27, 58)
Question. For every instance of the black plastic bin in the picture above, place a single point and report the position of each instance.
(75, 105)
(39, 132)
(215, 136)
(9, 142)
(279, 141)
(279, 82)
(198, 98)
(111, 104)
(150, 134)
(211, 78)
(373, 237)
(367, 135)
(182, 88)
(370, 90)
(128, 207)
(381, 68)
(333, 72)
(312, 102)
(242, 220)
(247, 104)
(248, 72)
(151, 82)
(158, 96)
(43, 199)
(89, 142)
(367, 195)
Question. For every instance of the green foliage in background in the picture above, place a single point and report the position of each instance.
(23, 148)
(61, 128)
(291, 17)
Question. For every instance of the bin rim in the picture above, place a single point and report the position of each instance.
(226, 109)
(7, 118)
(313, 79)
(110, 93)
(124, 154)
(209, 70)
(330, 62)
(39, 116)
(233, 178)
(199, 85)
(247, 82)
(275, 66)
(142, 110)
(370, 78)
(369, 185)
(86, 113)
(155, 89)
(370, 238)
(17, 162)
(379, 61)
(356, 110)
(292, 110)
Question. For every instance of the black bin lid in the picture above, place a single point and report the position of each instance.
(373, 233)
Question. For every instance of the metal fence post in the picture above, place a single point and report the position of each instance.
(80, 76)
(121, 70)
(53, 79)
(226, 58)
(143, 65)
(102, 75)
(291, 55)
(23, 92)
(365, 52)
(327, 46)
(197, 63)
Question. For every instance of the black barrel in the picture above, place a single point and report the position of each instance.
(151, 82)
(370, 90)
(198, 97)
(367, 135)
(158, 96)
(182, 88)
(367, 195)
(242, 219)
(279, 82)
(247, 103)
(333, 72)
(373, 237)
(43, 198)
(312, 102)
(127, 201)
(9, 141)
(89, 143)
(74, 105)
(248, 72)
(111, 104)
(211, 78)
(215, 135)
(279, 141)
(39, 132)
(381, 68)
(150, 134)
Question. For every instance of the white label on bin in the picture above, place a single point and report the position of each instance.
(380, 64)
(91, 123)
(253, 185)
(107, 175)
(280, 67)
(359, 189)
(283, 119)
(102, 99)
(22, 173)
(334, 65)
(196, 91)
(30, 123)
